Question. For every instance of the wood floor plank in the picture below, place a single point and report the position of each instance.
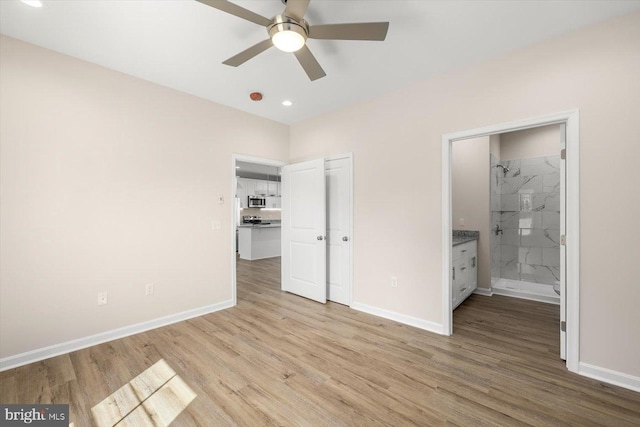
(278, 359)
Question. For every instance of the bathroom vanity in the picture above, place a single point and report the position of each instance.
(464, 269)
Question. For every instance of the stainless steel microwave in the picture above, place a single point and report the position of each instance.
(257, 202)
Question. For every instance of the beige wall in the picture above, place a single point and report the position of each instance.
(396, 141)
(494, 146)
(108, 183)
(536, 142)
(470, 183)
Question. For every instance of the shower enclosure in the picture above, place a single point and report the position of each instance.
(525, 227)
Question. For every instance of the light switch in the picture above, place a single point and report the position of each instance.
(221, 199)
(216, 225)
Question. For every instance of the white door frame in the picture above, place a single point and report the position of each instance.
(250, 159)
(572, 121)
(348, 156)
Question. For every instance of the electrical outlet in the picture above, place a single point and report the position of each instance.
(148, 290)
(394, 282)
(461, 222)
(102, 298)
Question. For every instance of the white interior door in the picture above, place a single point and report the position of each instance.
(563, 248)
(304, 230)
(338, 175)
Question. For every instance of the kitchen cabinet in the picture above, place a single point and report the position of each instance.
(273, 188)
(251, 187)
(273, 202)
(242, 192)
(261, 188)
(258, 242)
(464, 271)
(256, 187)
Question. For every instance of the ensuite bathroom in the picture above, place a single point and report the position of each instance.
(507, 188)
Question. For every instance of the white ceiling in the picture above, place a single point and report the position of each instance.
(181, 44)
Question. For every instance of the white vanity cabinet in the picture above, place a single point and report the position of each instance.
(464, 271)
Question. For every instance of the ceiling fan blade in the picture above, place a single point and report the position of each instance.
(309, 63)
(247, 54)
(356, 31)
(240, 12)
(296, 9)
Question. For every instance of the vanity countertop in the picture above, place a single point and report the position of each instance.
(464, 236)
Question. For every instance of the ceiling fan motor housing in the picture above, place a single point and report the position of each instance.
(284, 23)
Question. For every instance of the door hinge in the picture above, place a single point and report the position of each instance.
(563, 240)
(563, 326)
(563, 154)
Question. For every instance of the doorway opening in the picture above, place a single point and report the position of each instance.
(263, 235)
(256, 212)
(524, 233)
(525, 213)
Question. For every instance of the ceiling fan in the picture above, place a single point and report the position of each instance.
(289, 32)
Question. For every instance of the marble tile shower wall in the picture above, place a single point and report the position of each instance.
(530, 217)
(494, 202)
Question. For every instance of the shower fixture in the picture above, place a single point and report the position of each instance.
(504, 169)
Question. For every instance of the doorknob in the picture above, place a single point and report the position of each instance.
(345, 239)
(320, 237)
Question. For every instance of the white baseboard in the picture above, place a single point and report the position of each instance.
(402, 318)
(483, 292)
(80, 343)
(609, 376)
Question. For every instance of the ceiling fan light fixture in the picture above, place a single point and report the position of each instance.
(288, 41)
(288, 35)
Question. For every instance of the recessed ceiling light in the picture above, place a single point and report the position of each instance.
(34, 3)
(287, 103)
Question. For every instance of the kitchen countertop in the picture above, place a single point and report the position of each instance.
(464, 236)
(272, 225)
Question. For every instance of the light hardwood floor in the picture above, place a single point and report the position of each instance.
(277, 359)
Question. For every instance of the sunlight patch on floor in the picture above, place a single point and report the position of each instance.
(153, 398)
